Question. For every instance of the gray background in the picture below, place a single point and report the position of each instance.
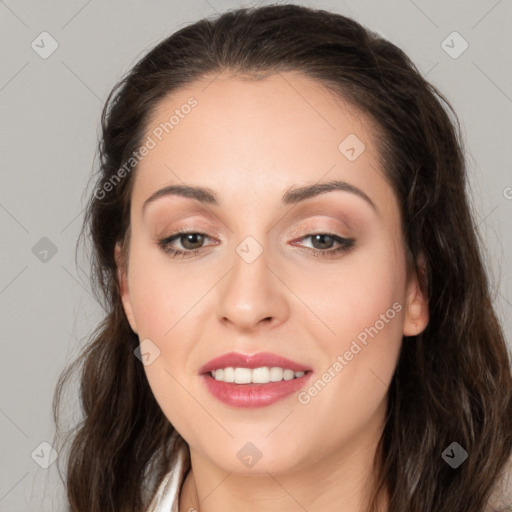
(50, 111)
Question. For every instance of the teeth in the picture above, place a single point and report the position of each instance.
(242, 376)
(261, 375)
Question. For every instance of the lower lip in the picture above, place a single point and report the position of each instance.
(253, 395)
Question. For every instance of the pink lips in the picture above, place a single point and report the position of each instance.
(253, 395)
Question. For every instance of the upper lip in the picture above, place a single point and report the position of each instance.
(261, 359)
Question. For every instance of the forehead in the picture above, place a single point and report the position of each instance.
(282, 108)
(253, 136)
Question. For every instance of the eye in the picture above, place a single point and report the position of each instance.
(323, 242)
(192, 242)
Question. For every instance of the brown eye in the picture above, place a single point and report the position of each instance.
(322, 241)
(191, 241)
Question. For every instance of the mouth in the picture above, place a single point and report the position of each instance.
(249, 388)
(253, 380)
(250, 395)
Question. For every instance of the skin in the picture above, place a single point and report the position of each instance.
(249, 141)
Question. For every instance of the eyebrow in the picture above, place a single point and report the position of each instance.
(293, 195)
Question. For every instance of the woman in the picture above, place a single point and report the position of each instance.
(298, 316)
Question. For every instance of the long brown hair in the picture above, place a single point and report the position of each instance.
(453, 382)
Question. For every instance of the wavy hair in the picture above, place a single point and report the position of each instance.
(453, 382)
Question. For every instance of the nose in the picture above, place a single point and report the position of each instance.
(252, 295)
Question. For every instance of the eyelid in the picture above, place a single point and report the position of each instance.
(303, 231)
(318, 228)
(329, 225)
(319, 221)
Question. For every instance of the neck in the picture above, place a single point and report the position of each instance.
(342, 482)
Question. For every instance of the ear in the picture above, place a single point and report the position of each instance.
(416, 308)
(122, 279)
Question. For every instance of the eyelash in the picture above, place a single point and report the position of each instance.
(346, 245)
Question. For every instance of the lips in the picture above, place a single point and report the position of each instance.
(253, 395)
(261, 359)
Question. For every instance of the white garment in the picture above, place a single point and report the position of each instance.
(167, 496)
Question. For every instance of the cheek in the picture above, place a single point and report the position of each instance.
(356, 294)
(363, 306)
(163, 296)
(160, 297)
(158, 292)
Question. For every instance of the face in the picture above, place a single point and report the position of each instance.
(320, 280)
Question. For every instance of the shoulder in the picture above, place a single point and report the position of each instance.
(501, 497)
